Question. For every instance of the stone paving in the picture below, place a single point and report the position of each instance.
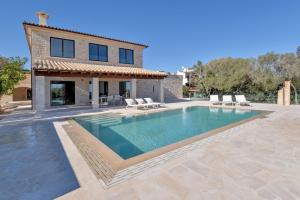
(33, 164)
(257, 160)
(111, 176)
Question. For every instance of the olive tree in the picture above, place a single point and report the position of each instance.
(10, 73)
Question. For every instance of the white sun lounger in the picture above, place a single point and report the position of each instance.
(214, 99)
(241, 100)
(227, 99)
(141, 102)
(150, 101)
(131, 103)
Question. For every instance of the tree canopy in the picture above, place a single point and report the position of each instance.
(261, 76)
(10, 73)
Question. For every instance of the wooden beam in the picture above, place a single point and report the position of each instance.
(94, 74)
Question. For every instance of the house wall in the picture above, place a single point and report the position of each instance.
(20, 91)
(20, 94)
(144, 88)
(147, 88)
(113, 85)
(172, 88)
(41, 47)
(81, 89)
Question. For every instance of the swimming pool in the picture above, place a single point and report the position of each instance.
(135, 135)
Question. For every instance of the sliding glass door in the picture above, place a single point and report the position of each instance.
(62, 93)
(125, 89)
(103, 88)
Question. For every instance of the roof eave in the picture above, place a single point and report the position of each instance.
(47, 66)
(81, 33)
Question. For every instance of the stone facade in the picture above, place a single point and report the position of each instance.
(284, 94)
(172, 88)
(39, 43)
(41, 47)
(147, 88)
(81, 88)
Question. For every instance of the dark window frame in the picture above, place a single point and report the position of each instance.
(126, 56)
(98, 45)
(62, 47)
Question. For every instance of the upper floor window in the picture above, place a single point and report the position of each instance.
(62, 48)
(98, 52)
(125, 56)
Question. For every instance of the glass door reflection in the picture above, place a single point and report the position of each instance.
(57, 93)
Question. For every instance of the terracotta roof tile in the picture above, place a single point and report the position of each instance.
(53, 65)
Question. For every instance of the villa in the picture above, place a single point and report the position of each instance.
(75, 68)
(80, 142)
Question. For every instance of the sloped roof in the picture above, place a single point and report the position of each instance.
(64, 66)
(81, 33)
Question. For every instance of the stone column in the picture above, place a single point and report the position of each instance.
(280, 100)
(287, 93)
(33, 97)
(40, 100)
(133, 89)
(95, 93)
(161, 96)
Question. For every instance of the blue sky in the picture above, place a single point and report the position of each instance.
(178, 32)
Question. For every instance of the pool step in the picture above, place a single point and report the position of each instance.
(104, 120)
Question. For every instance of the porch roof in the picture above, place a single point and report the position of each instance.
(64, 68)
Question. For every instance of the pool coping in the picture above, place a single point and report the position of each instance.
(119, 166)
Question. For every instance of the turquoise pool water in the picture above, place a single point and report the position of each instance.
(132, 136)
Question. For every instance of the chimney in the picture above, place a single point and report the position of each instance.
(42, 18)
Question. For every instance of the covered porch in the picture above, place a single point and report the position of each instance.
(60, 83)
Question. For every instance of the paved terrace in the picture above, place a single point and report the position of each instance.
(256, 160)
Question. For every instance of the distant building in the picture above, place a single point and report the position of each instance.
(21, 92)
(186, 73)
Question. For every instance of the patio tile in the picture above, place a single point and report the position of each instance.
(257, 160)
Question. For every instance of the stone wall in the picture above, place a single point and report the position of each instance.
(41, 47)
(113, 85)
(20, 91)
(81, 88)
(284, 94)
(172, 88)
(20, 94)
(150, 88)
(147, 88)
(144, 88)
